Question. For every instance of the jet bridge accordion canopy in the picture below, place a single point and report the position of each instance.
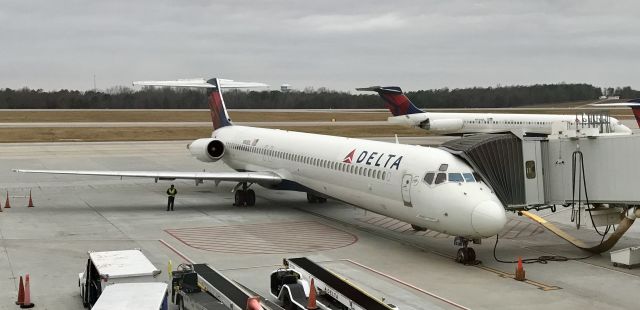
(498, 159)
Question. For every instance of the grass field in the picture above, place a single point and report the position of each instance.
(180, 116)
(179, 133)
(134, 133)
(238, 116)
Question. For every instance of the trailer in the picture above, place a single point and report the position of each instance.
(112, 267)
(200, 287)
(140, 296)
(295, 285)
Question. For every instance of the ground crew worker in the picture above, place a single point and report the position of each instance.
(171, 193)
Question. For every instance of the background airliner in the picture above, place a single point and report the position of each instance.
(426, 187)
(406, 113)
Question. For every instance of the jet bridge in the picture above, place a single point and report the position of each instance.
(585, 168)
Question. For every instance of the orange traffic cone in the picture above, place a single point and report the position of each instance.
(20, 300)
(253, 303)
(30, 201)
(7, 205)
(520, 270)
(27, 294)
(312, 296)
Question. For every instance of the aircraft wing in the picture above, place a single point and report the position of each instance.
(253, 177)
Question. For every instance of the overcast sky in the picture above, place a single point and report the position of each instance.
(337, 44)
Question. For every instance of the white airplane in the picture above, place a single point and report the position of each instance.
(406, 113)
(428, 188)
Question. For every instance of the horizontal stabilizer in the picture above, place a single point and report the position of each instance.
(381, 89)
(200, 83)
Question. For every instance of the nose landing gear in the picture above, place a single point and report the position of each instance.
(466, 255)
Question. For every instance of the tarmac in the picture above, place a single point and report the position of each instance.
(414, 270)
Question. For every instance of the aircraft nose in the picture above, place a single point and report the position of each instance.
(488, 218)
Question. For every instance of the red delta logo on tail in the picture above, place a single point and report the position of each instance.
(349, 158)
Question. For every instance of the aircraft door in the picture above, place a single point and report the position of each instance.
(406, 190)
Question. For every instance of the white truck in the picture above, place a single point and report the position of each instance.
(111, 267)
(139, 296)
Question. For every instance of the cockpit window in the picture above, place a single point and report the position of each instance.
(441, 177)
(455, 177)
(477, 177)
(468, 177)
(443, 167)
(429, 177)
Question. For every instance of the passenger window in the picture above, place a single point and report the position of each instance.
(384, 175)
(530, 167)
(429, 177)
(441, 177)
(455, 177)
(468, 177)
(443, 167)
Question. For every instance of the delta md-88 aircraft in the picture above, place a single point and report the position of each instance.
(406, 113)
(426, 187)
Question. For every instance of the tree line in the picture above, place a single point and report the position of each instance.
(321, 98)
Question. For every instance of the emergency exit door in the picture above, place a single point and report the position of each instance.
(406, 190)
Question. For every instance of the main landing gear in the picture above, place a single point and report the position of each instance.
(244, 196)
(466, 255)
(311, 198)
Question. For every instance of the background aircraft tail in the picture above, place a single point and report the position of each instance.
(395, 100)
(219, 116)
(634, 104)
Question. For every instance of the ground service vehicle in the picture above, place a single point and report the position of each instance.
(292, 286)
(139, 296)
(199, 287)
(111, 267)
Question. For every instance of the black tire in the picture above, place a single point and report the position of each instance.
(240, 198)
(418, 228)
(250, 197)
(461, 257)
(471, 255)
(311, 198)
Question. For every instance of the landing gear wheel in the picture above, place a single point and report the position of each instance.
(250, 197)
(311, 198)
(418, 228)
(240, 198)
(461, 257)
(471, 255)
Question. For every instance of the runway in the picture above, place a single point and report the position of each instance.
(75, 214)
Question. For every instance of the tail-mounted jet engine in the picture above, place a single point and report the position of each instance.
(206, 150)
(442, 124)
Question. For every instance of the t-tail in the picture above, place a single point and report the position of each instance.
(219, 116)
(395, 100)
(634, 104)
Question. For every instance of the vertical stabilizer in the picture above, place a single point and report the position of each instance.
(219, 116)
(395, 100)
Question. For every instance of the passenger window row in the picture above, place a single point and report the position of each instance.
(323, 163)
